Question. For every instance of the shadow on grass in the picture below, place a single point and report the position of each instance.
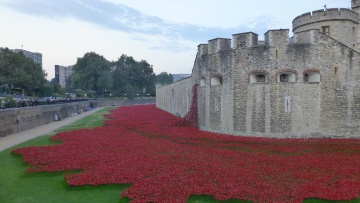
(311, 200)
(208, 199)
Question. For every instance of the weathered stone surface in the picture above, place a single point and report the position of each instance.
(305, 86)
(20, 119)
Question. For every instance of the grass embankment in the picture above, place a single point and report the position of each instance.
(19, 187)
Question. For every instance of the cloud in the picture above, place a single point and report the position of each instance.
(122, 18)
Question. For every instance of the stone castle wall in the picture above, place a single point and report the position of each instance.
(20, 119)
(342, 24)
(304, 86)
(175, 98)
(239, 105)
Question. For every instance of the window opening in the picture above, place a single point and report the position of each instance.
(284, 78)
(202, 82)
(287, 104)
(354, 32)
(306, 78)
(260, 78)
(326, 30)
(216, 103)
(216, 80)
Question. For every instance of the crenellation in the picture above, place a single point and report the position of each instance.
(355, 3)
(247, 39)
(303, 86)
(277, 37)
(219, 44)
(203, 49)
(325, 15)
(307, 37)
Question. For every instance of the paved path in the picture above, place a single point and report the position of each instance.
(14, 139)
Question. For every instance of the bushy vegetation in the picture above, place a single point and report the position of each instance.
(125, 77)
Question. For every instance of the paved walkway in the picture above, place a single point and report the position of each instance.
(14, 139)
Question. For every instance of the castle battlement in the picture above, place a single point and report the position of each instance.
(219, 44)
(332, 14)
(246, 39)
(277, 37)
(307, 37)
(203, 49)
(279, 87)
(273, 38)
(355, 3)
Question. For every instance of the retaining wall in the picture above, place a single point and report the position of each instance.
(20, 119)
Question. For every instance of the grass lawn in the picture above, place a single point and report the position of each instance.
(19, 187)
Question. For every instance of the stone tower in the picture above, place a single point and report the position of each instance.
(355, 6)
(340, 24)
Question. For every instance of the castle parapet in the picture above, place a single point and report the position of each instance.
(355, 4)
(203, 49)
(307, 37)
(219, 44)
(325, 15)
(277, 37)
(247, 39)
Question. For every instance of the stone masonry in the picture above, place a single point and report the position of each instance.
(304, 86)
(19, 119)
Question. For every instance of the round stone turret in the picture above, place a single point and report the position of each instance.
(355, 6)
(340, 24)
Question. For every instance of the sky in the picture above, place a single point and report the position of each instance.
(165, 33)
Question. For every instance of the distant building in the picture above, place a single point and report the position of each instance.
(62, 73)
(177, 77)
(35, 56)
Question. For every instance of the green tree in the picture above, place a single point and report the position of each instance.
(45, 91)
(164, 78)
(79, 93)
(92, 72)
(129, 74)
(18, 71)
(58, 89)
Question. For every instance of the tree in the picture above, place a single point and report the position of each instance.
(164, 78)
(130, 75)
(79, 93)
(18, 71)
(58, 89)
(92, 72)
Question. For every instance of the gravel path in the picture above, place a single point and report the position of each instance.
(14, 139)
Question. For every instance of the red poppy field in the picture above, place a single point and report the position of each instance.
(168, 162)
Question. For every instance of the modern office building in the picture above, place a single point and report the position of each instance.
(62, 73)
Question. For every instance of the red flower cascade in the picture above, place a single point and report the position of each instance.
(166, 163)
(191, 118)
